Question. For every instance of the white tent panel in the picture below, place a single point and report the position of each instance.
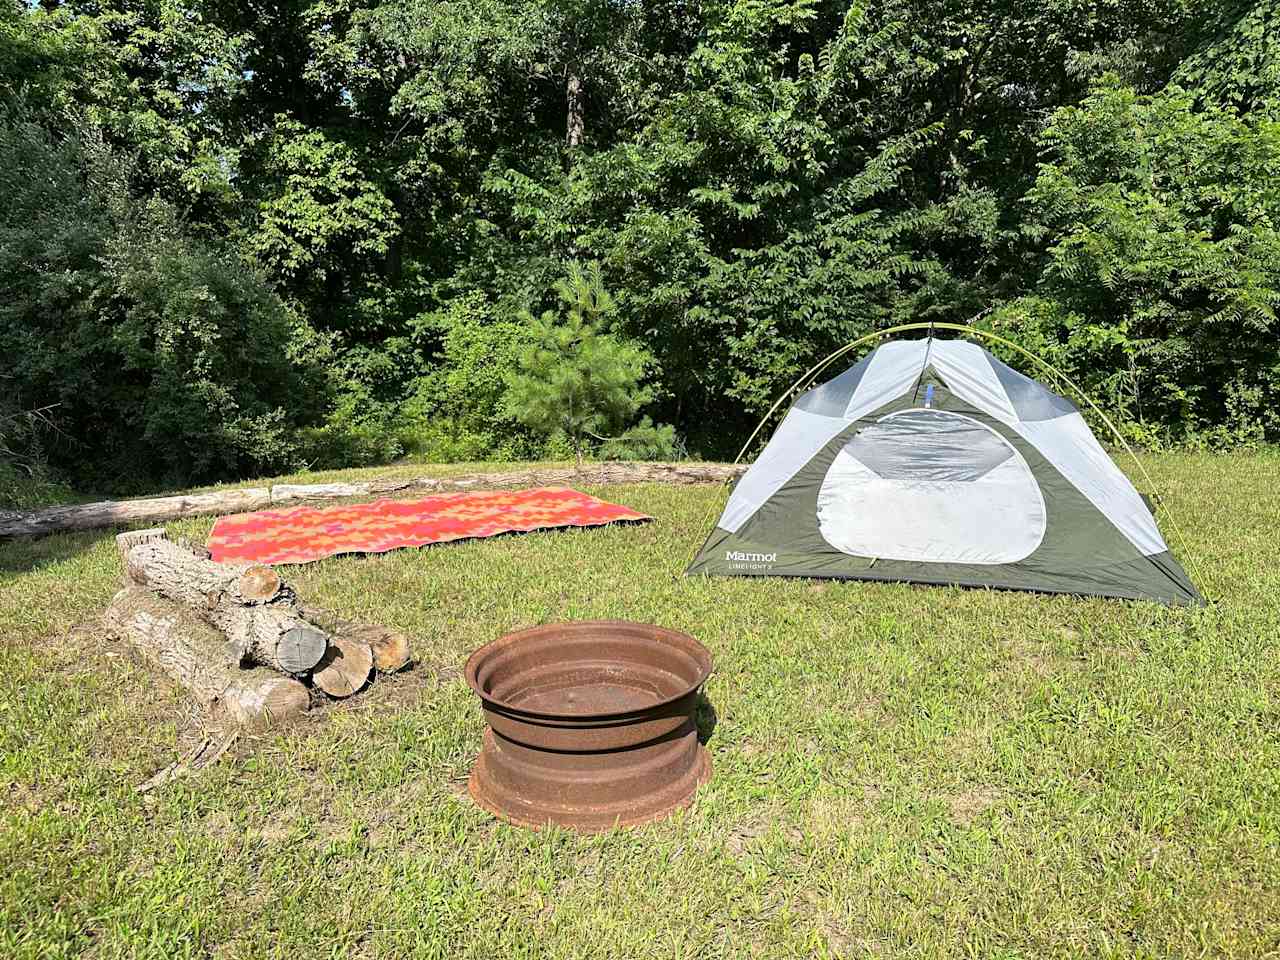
(894, 369)
(915, 507)
(798, 439)
(1069, 444)
(966, 370)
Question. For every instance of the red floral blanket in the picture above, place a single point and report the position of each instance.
(303, 534)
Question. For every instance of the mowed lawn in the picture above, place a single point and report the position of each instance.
(899, 771)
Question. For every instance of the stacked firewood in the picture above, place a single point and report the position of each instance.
(236, 636)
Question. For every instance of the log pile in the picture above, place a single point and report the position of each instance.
(236, 636)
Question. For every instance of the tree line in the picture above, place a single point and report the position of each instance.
(240, 238)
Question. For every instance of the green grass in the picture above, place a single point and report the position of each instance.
(899, 771)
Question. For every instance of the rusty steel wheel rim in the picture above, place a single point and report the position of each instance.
(591, 724)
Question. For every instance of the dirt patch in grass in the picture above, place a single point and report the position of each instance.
(23, 797)
(745, 834)
(390, 693)
(972, 743)
(832, 815)
(965, 808)
(1036, 656)
(750, 833)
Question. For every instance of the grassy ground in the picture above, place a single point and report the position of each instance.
(899, 771)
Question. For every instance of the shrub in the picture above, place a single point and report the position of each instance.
(645, 441)
(458, 410)
(169, 359)
(25, 478)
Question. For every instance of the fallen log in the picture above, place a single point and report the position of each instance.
(596, 474)
(111, 513)
(171, 638)
(389, 648)
(258, 611)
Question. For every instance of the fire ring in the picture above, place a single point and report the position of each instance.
(591, 724)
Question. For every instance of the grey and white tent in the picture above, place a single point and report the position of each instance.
(930, 461)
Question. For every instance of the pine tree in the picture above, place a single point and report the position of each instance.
(575, 377)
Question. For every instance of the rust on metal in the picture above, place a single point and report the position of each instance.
(591, 724)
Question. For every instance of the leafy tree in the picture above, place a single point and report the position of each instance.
(166, 357)
(759, 181)
(1161, 226)
(574, 378)
(323, 230)
(1238, 61)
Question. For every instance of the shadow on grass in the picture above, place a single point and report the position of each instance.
(704, 717)
(29, 554)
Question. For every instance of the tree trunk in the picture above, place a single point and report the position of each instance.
(112, 513)
(171, 638)
(390, 648)
(257, 610)
(577, 124)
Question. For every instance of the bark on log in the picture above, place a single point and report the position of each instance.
(111, 513)
(118, 513)
(171, 638)
(344, 669)
(390, 648)
(257, 610)
(127, 541)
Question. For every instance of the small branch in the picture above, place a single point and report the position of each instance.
(196, 759)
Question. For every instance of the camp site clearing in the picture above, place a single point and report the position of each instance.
(900, 770)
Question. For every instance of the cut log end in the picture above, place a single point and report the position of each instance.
(259, 584)
(390, 651)
(390, 648)
(131, 538)
(270, 702)
(300, 649)
(344, 669)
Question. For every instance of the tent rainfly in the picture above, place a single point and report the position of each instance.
(930, 461)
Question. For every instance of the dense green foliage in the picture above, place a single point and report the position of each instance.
(361, 204)
(161, 349)
(1164, 220)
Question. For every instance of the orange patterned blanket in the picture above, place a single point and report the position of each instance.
(303, 534)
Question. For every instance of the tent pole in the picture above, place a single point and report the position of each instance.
(928, 352)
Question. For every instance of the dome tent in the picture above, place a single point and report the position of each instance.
(930, 461)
